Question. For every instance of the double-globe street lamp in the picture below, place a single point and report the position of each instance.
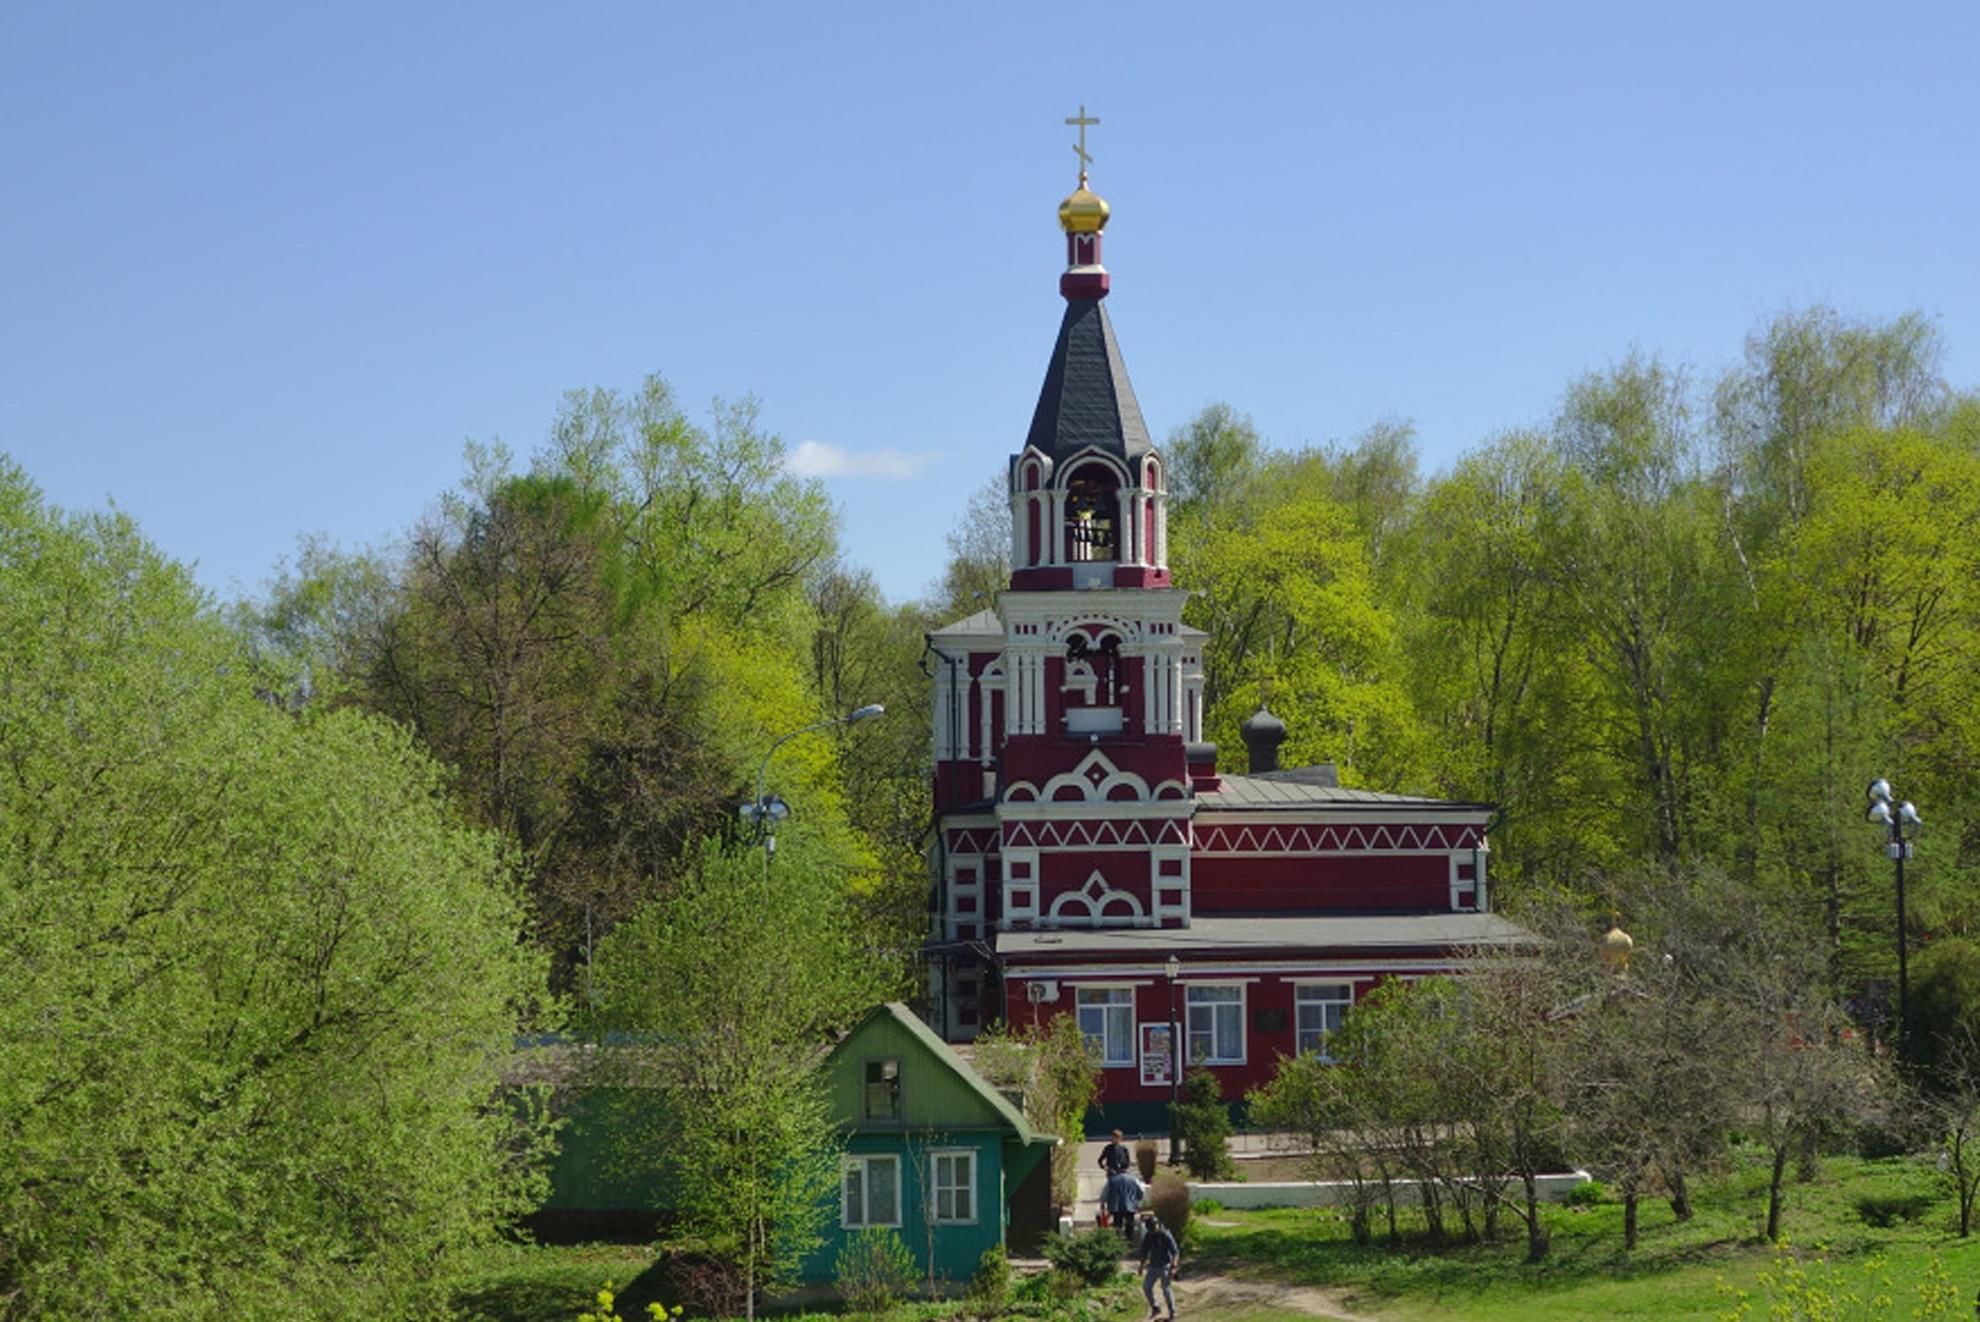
(1900, 822)
(766, 810)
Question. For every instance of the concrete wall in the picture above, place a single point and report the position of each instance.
(1331, 1193)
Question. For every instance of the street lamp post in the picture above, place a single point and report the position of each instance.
(766, 810)
(1174, 968)
(1899, 821)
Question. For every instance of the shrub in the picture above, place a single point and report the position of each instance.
(1144, 1160)
(1168, 1199)
(608, 1309)
(1092, 1257)
(990, 1287)
(1878, 1139)
(1886, 1208)
(1589, 1193)
(874, 1269)
(1205, 1206)
(1205, 1127)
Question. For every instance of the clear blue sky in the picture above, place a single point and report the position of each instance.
(267, 266)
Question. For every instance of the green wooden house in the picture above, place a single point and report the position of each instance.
(933, 1152)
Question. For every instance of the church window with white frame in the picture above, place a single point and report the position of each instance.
(1216, 1024)
(1318, 1011)
(1106, 1018)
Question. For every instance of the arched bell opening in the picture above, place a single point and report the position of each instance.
(1093, 514)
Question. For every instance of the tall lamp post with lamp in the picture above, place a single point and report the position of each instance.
(766, 810)
(1899, 821)
(1174, 969)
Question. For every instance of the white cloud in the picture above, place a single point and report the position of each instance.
(823, 459)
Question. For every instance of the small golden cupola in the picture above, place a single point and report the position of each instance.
(1082, 216)
(1084, 211)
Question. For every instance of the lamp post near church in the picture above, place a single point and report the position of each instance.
(1174, 968)
(766, 810)
(1900, 822)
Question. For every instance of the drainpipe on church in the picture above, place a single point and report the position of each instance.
(1174, 968)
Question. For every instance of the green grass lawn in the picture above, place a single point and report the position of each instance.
(1677, 1271)
(548, 1283)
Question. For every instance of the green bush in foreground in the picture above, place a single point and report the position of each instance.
(260, 979)
(990, 1287)
(874, 1270)
(1794, 1288)
(1092, 1257)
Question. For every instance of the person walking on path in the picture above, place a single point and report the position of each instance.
(1115, 1157)
(1120, 1200)
(1160, 1256)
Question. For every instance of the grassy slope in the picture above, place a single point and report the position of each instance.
(1676, 1271)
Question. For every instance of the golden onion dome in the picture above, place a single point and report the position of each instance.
(1616, 946)
(1084, 212)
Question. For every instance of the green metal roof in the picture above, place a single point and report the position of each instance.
(903, 1020)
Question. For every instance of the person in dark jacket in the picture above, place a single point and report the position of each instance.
(1115, 1157)
(1160, 1257)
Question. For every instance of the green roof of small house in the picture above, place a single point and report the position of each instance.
(959, 1097)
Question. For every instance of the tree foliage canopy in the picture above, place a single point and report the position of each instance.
(260, 976)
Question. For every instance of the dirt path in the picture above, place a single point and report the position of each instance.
(1197, 1294)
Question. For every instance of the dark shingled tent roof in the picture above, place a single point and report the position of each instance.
(1086, 400)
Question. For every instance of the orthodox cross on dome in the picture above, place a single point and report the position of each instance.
(1082, 120)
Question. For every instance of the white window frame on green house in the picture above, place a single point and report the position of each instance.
(859, 1168)
(1319, 1008)
(962, 1202)
(1229, 996)
(1114, 1012)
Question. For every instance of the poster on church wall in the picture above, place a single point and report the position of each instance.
(1157, 1056)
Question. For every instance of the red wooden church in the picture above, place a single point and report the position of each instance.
(1091, 859)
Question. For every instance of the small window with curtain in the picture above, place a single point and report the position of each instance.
(1106, 1018)
(883, 1090)
(870, 1192)
(1216, 1024)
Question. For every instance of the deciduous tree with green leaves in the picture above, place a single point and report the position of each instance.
(261, 978)
(729, 989)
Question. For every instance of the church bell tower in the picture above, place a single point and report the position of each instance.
(1066, 719)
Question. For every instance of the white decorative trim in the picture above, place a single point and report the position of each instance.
(1020, 894)
(1096, 895)
(1070, 463)
(1216, 834)
(1415, 968)
(1126, 831)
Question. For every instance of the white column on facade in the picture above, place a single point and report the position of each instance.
(1014, 693)
(942, 709)
(1161, 559)
(1177, 721)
